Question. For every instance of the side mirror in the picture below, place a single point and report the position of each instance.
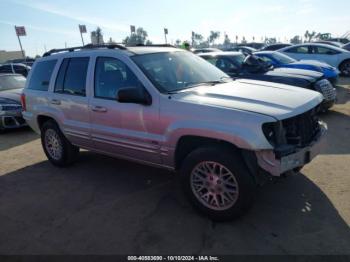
(136, 95)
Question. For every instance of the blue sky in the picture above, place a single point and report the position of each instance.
(51, 24)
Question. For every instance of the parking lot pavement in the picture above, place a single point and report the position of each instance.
(103, 205)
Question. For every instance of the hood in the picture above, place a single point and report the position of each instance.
(276, 100)
(309, 75)
(13, 94)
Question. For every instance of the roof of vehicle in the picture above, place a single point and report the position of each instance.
(131, 50)
(315, 44)
(9, 74)
(267, 52)
(247, 47)
(229, 53)
(19, 64)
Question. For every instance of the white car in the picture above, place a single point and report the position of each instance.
(334, 56)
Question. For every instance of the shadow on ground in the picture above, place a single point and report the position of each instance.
(338, 141)
(343, 95)
(106, 206)
(16, 137)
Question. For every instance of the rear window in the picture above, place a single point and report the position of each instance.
(41, 75)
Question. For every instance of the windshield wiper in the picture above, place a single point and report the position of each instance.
(215, 82)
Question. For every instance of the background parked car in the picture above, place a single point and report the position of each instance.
(26, 61)
(204, 50)
(254, 45)
(340, 39)
(11, 86)
(274, 47)
(243, 49)
(12, 68)
(237, 65)
(346, 46)
(277, 59)
(334, 56)
(337, 44)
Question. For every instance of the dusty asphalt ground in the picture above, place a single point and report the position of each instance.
(103, 205)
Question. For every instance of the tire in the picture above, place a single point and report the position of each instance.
(232, 204)
(57, 148)
(344, 68)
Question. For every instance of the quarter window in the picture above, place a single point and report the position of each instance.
(41, 75)
(71, 77)
(110, 75)
(324, 51)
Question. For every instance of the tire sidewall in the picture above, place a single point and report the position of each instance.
(235, 164)
(53, 126)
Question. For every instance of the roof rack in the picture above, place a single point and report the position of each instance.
(88, 46)
(153, 45)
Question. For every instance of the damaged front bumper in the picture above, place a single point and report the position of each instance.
(267, 159)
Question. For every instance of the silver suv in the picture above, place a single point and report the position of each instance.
(169, 108)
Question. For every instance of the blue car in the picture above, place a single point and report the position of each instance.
(277, 59)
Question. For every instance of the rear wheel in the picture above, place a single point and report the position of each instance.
(345, 68)
(57, 148)
(217, 183)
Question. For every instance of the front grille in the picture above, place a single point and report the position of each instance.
(301, 130)
(326, 89)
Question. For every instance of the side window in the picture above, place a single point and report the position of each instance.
(71, 77)
(41, 75)
(324, 50)
(225, 65)
(20, 70)
(211, 60)
(5, 69)
(266, 59)
(299, 50)
(110, 75)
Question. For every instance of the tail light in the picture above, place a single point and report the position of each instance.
(23, 102)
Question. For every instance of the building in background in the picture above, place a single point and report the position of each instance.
(9, 55)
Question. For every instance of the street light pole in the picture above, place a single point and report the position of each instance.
(82, 39)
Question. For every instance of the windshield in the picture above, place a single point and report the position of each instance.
(11, 82)
(175, 71)
(283, 59)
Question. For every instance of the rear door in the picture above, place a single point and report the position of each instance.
(325, 54)
(70, 100)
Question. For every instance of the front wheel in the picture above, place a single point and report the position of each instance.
(218, 183)
(57, 148)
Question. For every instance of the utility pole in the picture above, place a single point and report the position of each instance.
(165, 33)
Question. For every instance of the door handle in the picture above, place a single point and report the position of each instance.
(55, 102)
(99, 109)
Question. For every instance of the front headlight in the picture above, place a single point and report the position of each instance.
(9, 104)
(269, 131)
(9, 107)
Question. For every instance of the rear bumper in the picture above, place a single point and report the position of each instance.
(268, 161)
(11, 119)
